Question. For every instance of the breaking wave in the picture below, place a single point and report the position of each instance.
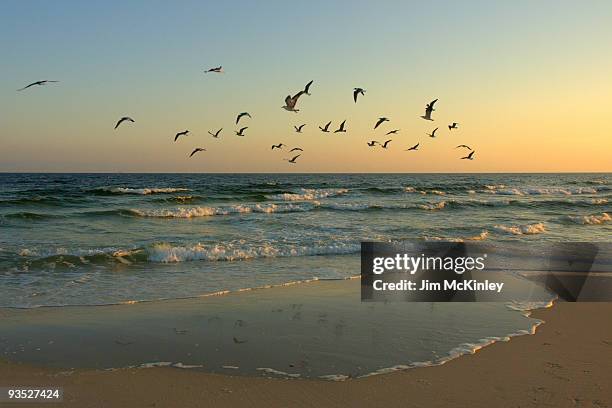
(527, 229)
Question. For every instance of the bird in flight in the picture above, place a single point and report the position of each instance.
(296, 149)
(415, 147)
(392, 132)
(384, 145)
(341, 129)
(356, 92)
(123, 119)
(325, 128)
(218, 70)
(298, 129)
(380, 121)
(469, 156)
(452, 126)
(462, 145)
(36, 83)
(307, 87)
(432, 134)
(196, 150)
(372, 143)
(291, 101)
(429, 108)
(277, 146)
(241, 131)
(293, 159)
(179, 134)
(240, 115)
(216, 134)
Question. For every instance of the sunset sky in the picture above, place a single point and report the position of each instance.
(530, 83)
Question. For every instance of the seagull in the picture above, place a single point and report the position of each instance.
(380, 120)
(292, 160)
(278, 146)
(392, 132)
(415, 147)
(462, 145)
(239, 133)
(469, 156)
(296, 149)
(216, 134)
(298, 129)
(384, 145)
(341, 128)
(325, 128)
(358, 91)
(373, 143)
(197, 149)
(179, 134)
(307, 87)
(432, 134)
(123, 119)
(429, 108)
(241, 115)
(36, 83)
(218, 70)
(290, 102)
(453, 126)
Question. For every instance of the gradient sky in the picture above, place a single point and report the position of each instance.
(530, 83)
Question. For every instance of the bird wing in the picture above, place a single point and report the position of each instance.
(26, 87)
(431, 104)
(342, 124)
(289, 102)
(295, 157)
(243, 129)
(355, 93)
(239, 116)
(307, 87)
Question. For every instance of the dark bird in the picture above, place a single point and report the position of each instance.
(296, 149)
(292, 160)
(341, 128)
(241, 115)
(123, 119)
(429, 108)
(392, 132)
(291, 101)
(307, 87)
(239, 341)
(462, 145)
(432, 134)
(384, 145)
(379, 121)
(179, 134)
(218, 70)
(372, 143)
(452, 126)
(36, 83)
(325, 128)
(415, 147)
(216, 134)
(240, 132)
(278, 146)
(298, 129)
(196, 150)
(469, 156)
(356, 92)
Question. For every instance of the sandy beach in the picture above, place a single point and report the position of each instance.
(565, 364)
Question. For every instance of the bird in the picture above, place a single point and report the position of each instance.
(341, 128)
(462, 145)
(392, 132)
(469, 156)
(240, 132)
(218, 70)
(432, 134)
(452, 126)
(325, 128)
(240, 115)
(292, 160)
(384, 145)
(358, 91)
(415, 147)
(290, 102)
(179, 134)
(278, 146)
(379, 121)
(216, 134)
(123, 119)
(307, 87)
(298, 129)
(429, 108)
(45, 82)
(372, 143)
(196, 150)
(296, 149)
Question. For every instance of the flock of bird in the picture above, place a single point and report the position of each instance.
(290, 105)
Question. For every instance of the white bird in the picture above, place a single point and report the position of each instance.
(45, 82)
(123, 119)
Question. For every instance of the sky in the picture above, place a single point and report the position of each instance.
(529, 83)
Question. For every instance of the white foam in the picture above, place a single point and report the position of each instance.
(307, 194)
(595, 219)
(194, 212)
(527, 229)
(433, 206)
(142, 191)
(277, 372)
